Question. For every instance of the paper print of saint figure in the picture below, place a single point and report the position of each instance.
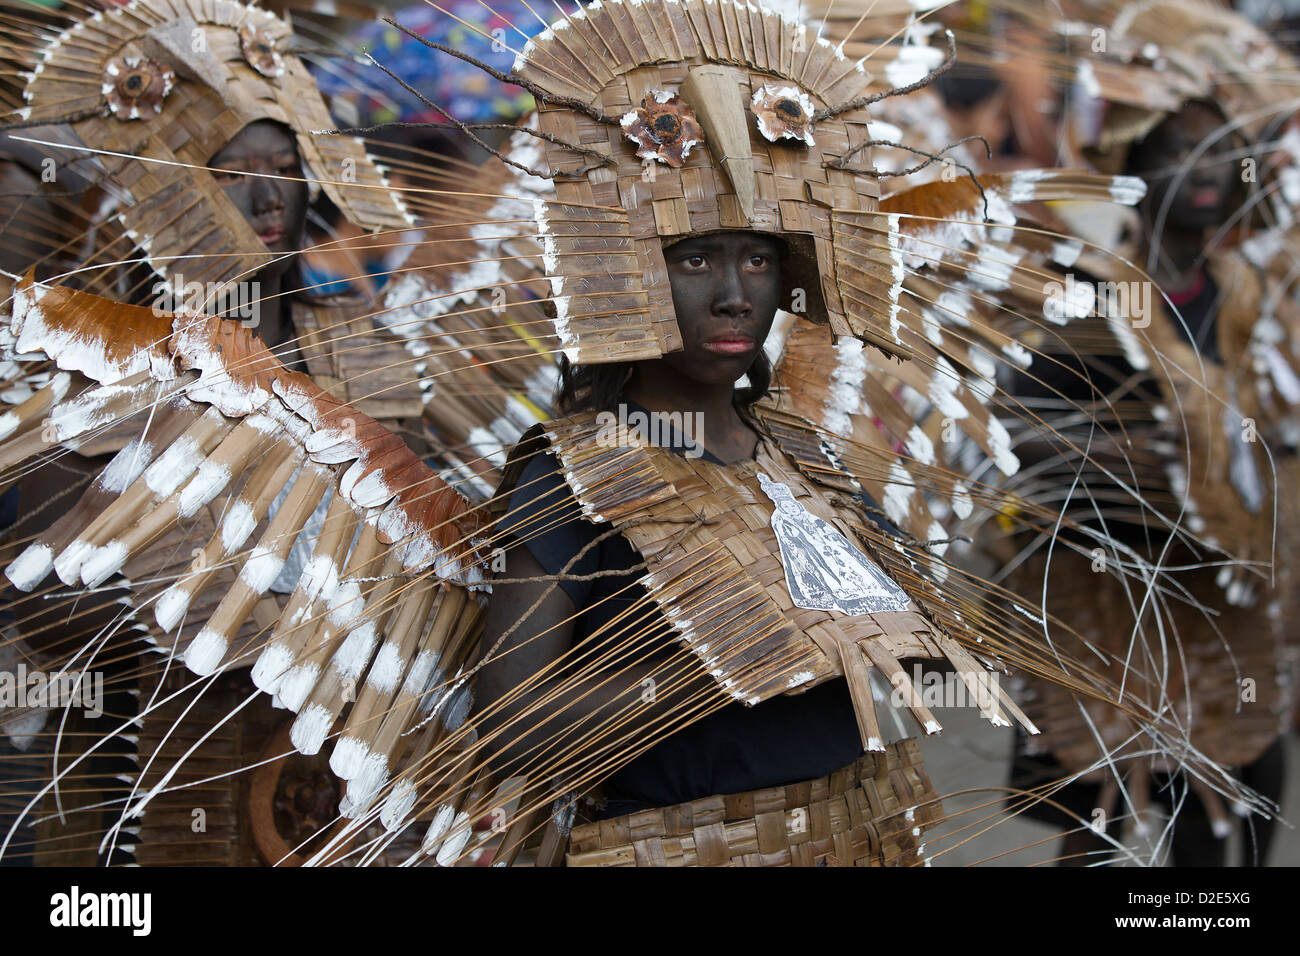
(823, 570)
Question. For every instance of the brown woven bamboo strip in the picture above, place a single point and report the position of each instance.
(869, 814)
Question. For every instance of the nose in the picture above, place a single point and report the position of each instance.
(730, 296)
(266, 194)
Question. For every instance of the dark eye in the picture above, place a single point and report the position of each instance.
(759, 261)
(694, 262)
(288, 169)
(226, 177)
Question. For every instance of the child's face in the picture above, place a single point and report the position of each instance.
(275, 208)
(1204, 189)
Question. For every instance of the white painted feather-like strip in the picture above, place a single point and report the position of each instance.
(1000, 448)
(348, 755)
(920, 445)
(368, 781)
(455, 840)
(421, 670)
(68, 564)
(911, 63)
(203, 487)
(171, 606)
(897, 273)
(438, 828)
(944, 382)
(127, 465)
(354, 653)
(1122, 329)
(310, 729)
(1127, 190)
(962, 505)
(236, 525)
(174, 465)
(297, 684)
(320, 578)
(843, 399)
(397, 805)
(261, 569)
(898, 493)
(345, 604)
(205, 653)
(31, 567)
(102, 562)
(270, 667)
(387, 669)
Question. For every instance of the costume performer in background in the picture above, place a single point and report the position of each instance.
(1223, 450)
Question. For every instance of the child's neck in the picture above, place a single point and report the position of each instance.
(725, 433)
(1178, 266)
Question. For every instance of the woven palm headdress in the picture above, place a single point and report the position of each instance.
(691, 118)
(154, 88)
(1157, 55)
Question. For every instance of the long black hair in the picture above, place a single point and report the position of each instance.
(598, 388)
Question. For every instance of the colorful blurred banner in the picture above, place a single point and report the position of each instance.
(358, 88)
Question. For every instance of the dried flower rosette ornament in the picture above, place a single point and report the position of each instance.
(783, 113)
(260, 52)
(663, 127)
(135, 84)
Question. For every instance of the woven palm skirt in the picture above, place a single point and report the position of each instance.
(870, 813)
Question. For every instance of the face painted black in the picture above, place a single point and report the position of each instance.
(1206, 187)
(275, 208)
(726, 290)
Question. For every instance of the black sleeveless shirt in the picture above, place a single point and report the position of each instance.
(784, 740)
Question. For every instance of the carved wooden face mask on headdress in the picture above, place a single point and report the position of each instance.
(695, 117)
(163, 85)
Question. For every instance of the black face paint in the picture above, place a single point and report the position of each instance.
(726, 291)
(275, 208)
(1204, 188)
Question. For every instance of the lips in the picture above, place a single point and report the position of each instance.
(730, 343)
(1205, 198)
(270, 230)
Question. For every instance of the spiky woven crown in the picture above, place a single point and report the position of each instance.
(171, 81)
(702, 116)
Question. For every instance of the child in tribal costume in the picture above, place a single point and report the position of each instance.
(709, 621)
(1205, 380)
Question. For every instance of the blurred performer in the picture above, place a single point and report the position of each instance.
(1003, 88)
(1225, 453)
